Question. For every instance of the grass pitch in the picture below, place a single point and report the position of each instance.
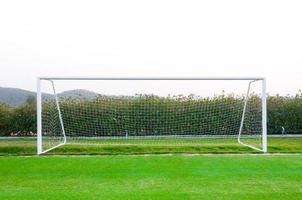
(27, 146)
(220, 177)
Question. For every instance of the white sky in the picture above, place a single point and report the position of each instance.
(151, 38)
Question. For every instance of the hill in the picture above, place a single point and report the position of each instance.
(78, 93)
(15, 96)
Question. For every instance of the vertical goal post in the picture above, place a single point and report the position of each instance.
(64, 140)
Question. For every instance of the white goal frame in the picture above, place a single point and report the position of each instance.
(251, 79)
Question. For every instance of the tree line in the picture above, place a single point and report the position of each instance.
(283, 111)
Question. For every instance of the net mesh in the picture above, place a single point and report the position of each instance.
(154, 112)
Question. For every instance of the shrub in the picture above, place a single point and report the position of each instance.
(5, 112)
(23, 119)
(286, 112)
(113, 115)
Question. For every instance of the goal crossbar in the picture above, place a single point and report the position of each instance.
(146, 78)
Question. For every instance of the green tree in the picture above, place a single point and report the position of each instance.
(31, 99)
(23, 118)
(5, 112)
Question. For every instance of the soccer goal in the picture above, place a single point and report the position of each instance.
(164, 111)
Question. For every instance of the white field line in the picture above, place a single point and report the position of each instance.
(166, 155)
(160, 136)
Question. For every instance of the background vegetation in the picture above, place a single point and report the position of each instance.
(283, 111)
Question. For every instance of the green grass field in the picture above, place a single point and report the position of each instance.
(159, 146)
(120, 173)
(243, 177)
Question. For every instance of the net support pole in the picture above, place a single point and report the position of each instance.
(242, 118)
(264, 117)
(59, 111)
(39, 117)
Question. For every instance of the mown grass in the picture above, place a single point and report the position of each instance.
(217, 177)
(159, 146)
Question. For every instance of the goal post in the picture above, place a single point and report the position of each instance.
(145, 110)
(264, 116)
